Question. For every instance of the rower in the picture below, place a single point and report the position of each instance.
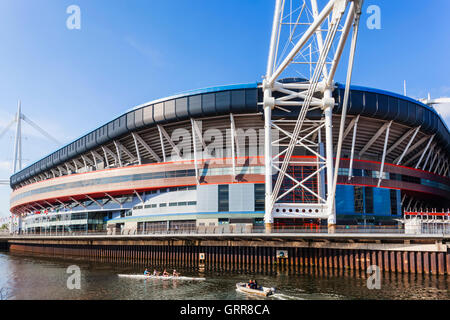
(165, 273)
(155, 273)
(175, 273)
(146, 272)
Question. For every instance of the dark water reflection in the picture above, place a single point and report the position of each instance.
(25, 277)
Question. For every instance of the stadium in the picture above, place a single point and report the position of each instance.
(196, 161)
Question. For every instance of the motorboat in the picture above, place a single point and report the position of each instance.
(260, 291)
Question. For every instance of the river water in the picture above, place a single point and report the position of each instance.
(38, 277)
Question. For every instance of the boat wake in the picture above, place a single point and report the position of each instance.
(281, 296)
(141, 276)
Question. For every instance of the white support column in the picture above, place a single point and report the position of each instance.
(139, 196)
(172, 144)
(118, 153)
(114, 199)
(95, 160)
(162, 144)
(424, 151)
(18, 140)
(269, 103)
(136, 146)
(433, 161)
(399, 160)
(428, 156)
(139, 139)
(78, 202)
(328, 112)
(439, 172)
(400, 140)
(194, 145)
(95, 201)
(352, 155)
(373, 139)
(436, 169)
(383, 158)
(233, 150)
(106, 156)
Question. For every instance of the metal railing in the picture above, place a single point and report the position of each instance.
(243, 230)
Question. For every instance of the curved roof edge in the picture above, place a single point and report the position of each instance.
(392, 94)
(238, 98)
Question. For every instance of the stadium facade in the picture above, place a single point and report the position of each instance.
(196, 160)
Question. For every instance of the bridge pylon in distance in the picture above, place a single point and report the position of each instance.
(19, 117)
(306, 47)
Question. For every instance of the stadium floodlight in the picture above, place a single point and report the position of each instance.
(306, 44)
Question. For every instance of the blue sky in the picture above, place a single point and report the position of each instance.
(132, 51)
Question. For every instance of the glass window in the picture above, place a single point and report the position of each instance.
(259, 197)
(223, 198)
(394, 200)
(368, 195)
(359, 199)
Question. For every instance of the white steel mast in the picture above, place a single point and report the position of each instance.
(306, 43)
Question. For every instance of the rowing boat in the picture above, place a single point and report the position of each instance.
(143, 276)
(262, 291)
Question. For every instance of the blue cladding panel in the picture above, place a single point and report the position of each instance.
(251, 100)
(381, 201)
(392, 108)
(55, 158)
(356, 102)
(370, 107)
(403, 110)
(101, 135)
(42, 164)
(426, 119)
(169, 110)
(138, 118)
(131, 125)
(63, 154)
(237, 101)
(147, 115)
(90, 140)
(81, 145)
(208, 103)
(72, 150)
(181, 108)
(195, 105)
(411, 119)
(419, 116)
(117, 127)
(383, 107)
(344, 199)
(223, 102)
(158, 113)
